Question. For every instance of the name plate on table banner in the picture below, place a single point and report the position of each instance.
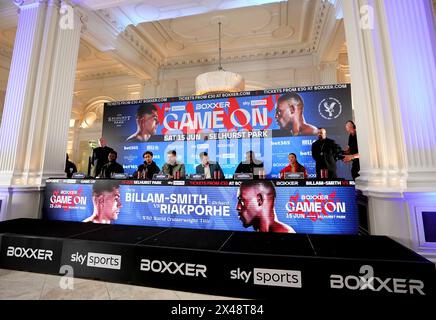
(197, 176)
(119, 176)
(243, 176)
(294, 175)
(79, 175)
(160, 176)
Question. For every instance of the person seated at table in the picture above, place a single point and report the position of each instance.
(111, 167)
(210, 169)
(251, 165)
(294, 166)
(172, 168)
(148, 168)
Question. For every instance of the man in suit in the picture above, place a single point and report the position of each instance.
(70, 167)
(325, 152)
(210, 169)
(100, 157)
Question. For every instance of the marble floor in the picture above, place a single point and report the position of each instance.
(18, 285)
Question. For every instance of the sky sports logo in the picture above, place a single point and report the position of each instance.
(269, 277)
(178, 108)
(262, 102)
(98, 260)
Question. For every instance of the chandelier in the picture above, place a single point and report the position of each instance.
(221, 80)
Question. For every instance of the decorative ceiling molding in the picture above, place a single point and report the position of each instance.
(135, 12)
(93, 64)
(132, 36)
(272, 53)
(82, 76)
(306, 48)
(141, 51)
(154, 48)
(96, 105)
(102, 33)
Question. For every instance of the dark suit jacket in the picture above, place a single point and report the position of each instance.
(213, 166)
(109, 168)
(99, 159)
(250, 167)
(325, 153)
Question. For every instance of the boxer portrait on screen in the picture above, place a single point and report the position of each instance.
(106, 199)
(146, 123)
(289, 115)
(256, 207)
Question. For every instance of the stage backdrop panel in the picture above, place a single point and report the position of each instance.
(227, 126)
(321, 207)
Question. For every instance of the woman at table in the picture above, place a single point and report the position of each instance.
(294, 166)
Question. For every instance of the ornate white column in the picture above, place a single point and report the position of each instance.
(34, 128)
(19, 99)
(392, 49)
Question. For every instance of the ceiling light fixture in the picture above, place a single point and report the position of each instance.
(219, 81)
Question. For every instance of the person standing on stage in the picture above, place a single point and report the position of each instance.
(70, 167)
(210, 169)
(172, 168)
(352, 151)
(325, 152)
(99, 157)
(111, 167)
(294, 166)
(148, 168)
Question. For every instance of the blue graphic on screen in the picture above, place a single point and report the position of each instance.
(333, 209)
(227, 128)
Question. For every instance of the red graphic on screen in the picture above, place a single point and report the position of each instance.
(315, 207)
(67, 199)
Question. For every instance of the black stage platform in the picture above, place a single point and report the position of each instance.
(238, 264)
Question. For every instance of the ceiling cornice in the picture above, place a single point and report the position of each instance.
(306, 48)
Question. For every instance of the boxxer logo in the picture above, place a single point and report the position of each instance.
(184, 269)
(29, 253)
(367, 281)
